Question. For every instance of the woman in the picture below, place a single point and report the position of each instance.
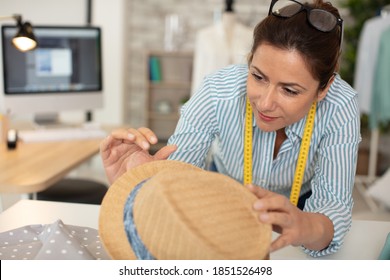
(292, 64)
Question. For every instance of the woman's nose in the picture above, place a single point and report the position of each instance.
(267, 99)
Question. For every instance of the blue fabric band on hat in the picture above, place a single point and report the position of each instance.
(136, 243)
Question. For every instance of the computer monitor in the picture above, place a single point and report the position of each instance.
(64, 73)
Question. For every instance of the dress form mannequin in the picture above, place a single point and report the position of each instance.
(220, 45)
(228, 22)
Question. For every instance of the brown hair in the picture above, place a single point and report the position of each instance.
(321, 50)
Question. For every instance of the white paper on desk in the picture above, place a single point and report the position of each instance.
(380, 189)
(55, 241)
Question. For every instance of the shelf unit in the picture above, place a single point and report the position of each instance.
(168, 87)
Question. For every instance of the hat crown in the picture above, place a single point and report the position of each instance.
(195, 214)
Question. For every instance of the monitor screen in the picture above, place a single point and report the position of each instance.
(63, 73)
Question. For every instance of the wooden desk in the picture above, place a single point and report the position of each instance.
(364, 242)
(33, 167)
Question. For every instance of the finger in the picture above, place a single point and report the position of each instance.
(279, 243)
(278, 219)
(140, 138)
(273, 202)
(148, 134)
(105, 144)
(165, 152)
(123, 134)
(258, 191)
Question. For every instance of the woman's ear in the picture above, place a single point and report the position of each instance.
(322, 93)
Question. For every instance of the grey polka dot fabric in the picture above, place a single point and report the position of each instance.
(55, 241)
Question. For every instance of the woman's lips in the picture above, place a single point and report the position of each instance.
(266, 118)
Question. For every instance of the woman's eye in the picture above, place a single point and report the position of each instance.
(257, 76)
(290, 91)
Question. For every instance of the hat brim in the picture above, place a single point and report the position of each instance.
(111, 227)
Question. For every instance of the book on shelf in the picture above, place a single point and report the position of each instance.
(154, 69)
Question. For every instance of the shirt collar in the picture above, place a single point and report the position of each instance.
(295, 130)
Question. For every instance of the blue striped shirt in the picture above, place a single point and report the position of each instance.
(216, 113)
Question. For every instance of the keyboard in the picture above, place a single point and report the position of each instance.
(60, 134)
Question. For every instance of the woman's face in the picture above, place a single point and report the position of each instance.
(280, 87)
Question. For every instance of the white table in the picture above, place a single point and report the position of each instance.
(364, 241)
(28, 212)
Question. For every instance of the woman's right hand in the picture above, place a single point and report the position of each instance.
(127, 148)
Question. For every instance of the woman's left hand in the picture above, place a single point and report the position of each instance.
(312, 230)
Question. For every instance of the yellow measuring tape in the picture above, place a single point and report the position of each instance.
(303, 152)
(248, 145)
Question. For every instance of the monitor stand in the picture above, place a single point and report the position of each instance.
(46, 119)
(53, 120)
(50, 121)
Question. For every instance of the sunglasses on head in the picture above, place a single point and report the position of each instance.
(320, 19)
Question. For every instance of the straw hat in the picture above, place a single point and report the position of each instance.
(183, 212)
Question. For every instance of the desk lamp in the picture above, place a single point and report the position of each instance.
(24, 39)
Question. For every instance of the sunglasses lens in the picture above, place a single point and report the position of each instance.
(286, 8)
(322, 20)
